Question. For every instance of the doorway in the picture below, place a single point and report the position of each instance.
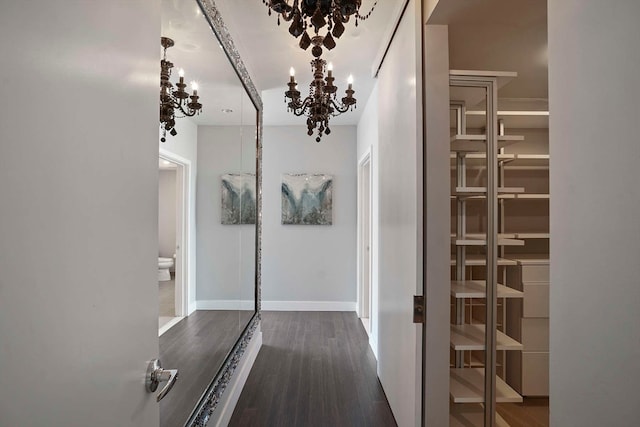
(173, 246)
(364, 241)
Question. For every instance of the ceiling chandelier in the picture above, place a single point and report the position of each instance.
(321, 104)
(174, 99)
(316, 14)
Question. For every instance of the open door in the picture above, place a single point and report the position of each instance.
(400, 220)
(78, 184)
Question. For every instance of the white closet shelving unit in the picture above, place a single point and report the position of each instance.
(527, 217)
(476, 341)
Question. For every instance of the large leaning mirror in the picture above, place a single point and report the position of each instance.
(209, 189)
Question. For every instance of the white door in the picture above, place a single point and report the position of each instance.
(400, 221)
(78, 212)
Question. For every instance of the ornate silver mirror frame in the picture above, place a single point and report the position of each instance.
(210, 398)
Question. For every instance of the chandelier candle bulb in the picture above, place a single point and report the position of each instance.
(330, 70)
(350, 81)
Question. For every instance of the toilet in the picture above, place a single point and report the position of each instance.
(164, 265)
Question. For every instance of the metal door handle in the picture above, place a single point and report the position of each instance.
(156, 375)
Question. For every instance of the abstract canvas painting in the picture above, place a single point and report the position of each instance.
(307, 199)
(239, 198)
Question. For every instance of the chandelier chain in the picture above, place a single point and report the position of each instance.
(368, 14)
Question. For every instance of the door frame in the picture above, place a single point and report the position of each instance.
(184, 188)
(364, 288)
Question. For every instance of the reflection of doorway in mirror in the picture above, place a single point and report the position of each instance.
(364, 242)
(172, 207)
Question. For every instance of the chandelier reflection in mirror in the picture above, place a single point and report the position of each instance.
(317, 14)
(321, 104)
(174, 99)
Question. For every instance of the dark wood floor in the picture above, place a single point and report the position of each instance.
(314, 369)
(196, 346)
(532, 412)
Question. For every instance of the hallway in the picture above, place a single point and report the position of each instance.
(314, 369)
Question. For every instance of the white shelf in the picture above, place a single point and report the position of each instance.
(503, 77)
(473, 96)
(476, 198)
(477, 143)
(469, 241)
(514, 119)
(530, 259)
(466, 385)
(483, 235)
(483, 156)
(471, 337)
(477, 289)
(479, 160)
(532, 235)
(531, 196)
(480, 192)
(526, 161)
(480, 260)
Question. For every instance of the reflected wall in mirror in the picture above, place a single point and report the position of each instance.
(218, 262)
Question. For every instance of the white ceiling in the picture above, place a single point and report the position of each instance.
(505, 35)
(268, 51)
(198, 52)
(499, 35)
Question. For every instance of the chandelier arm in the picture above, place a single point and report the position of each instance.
(295, 104)
(180, 106)
(341, 108)
(302, 108)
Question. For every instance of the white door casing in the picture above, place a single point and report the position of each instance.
(364, 238)
(78, 217)
(184, 191)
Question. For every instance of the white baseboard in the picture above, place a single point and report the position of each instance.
(192, 307)
(226, 305)
(308, 306)
(374, 346)
(171, 323)
(223, 412)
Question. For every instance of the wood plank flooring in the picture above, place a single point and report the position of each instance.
(314, 369)
(532, 412)
(196, 346)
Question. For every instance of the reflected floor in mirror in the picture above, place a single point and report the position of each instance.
(314, 369)
(197, 345)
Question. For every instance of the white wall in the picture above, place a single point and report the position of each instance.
(300, 263)
(594, 63)
(75, 237)
(167, 213)
(400, 219)
(185, 145)
(226, 253)
(367, 143)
